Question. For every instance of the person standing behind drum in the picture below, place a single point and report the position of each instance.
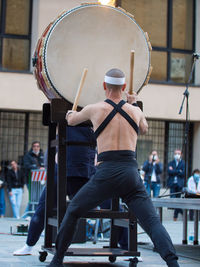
(33, 159)
(152, 168)
(80, 168)
(15, 183)
(193, 188)
(175, 181)
(193, 183)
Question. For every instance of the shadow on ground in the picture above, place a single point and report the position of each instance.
(187, 251)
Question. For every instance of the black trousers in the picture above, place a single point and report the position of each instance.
(117, 178)
(175, 189)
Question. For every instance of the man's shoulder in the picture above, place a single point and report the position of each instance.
(28, 153)
(10, 172)
(28, 157)
(96, 106)
(171, 162)
(100, 103)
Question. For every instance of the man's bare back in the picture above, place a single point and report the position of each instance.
(118, 135)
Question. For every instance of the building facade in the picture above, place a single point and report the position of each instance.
(173, 27)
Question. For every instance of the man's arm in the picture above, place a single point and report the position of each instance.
(9, 178)
(146, 166)
(181, 170)
(171, 171)
(143, 125)
(159, 168)
(191, 186)
(27, 161)
(73, 117)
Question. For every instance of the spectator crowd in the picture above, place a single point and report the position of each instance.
(15, 177)
(13, 180)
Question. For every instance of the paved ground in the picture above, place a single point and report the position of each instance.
(190, 255)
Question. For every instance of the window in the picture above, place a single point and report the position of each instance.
(170, 25)
(164, 137)
(37, 132)
(153, 140)
(17, 132)
(15, 34)
(175, 138)
(12, 127)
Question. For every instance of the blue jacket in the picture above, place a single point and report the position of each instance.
(81, 151)
(178, 171)
(32, 162)
(148, 169)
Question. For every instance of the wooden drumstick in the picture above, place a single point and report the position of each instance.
(78, 93)
(131, 72)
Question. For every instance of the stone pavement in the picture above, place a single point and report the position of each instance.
(190, 255)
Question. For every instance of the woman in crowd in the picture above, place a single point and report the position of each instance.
(193, 188)
(15, 178)
(193, 183)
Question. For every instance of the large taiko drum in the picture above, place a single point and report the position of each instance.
(96, 37)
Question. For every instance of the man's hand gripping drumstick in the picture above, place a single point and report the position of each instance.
(78, 93)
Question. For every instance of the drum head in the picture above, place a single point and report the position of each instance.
(98, 38)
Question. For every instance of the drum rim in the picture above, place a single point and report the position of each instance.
(58, 19)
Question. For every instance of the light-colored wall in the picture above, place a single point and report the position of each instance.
(50, 9)
(164, 101)
(20, 92)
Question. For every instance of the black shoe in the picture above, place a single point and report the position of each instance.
(56, 262)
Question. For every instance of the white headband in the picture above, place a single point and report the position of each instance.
(115, 81)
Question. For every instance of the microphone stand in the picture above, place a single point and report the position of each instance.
(186, 96)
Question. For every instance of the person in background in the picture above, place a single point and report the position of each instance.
(15, 180)
(152, 168)
(33, 159)
(176, 175)
(2, 196)
(193, 183)
(193, 188)
(80, 168)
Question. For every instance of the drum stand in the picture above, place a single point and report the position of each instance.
(54, 117)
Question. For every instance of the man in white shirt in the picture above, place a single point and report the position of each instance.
(193, 183)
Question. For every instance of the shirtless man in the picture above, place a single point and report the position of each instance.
(116, 124)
